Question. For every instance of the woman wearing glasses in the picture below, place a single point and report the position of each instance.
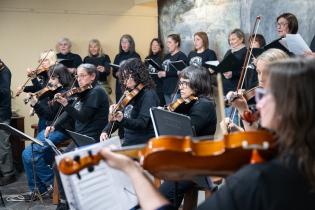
(286, 182)
(287, 23)
(194, 81)
(240, 102)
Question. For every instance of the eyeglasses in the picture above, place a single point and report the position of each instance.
(183, 83)
(281, 24)
(81, 76)
(260, 93)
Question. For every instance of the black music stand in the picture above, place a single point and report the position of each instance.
(14, 131)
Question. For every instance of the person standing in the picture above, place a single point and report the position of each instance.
(7, 169)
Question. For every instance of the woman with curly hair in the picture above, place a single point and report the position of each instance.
(135, 117)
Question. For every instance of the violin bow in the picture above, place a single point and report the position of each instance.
(249, 53)
(40, 63)
(221, 103)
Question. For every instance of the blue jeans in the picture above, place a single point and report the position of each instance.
(43, 156)
(228, 111)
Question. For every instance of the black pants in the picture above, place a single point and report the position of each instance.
(168, 190)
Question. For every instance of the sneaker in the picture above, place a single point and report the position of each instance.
(29, 196)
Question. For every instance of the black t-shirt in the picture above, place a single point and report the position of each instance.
(159, 84)
(231, 84)
(203, 116)
(89, 111)
(171, 79)
(77, 60)
(199, 59)
(5, 94)
(137, 122)
(267, 186)
(102, 60)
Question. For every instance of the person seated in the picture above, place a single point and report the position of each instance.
(285, 182)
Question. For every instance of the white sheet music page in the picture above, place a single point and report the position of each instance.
(104, 188)
(296, 44)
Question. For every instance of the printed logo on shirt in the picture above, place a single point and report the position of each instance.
(166, 65)
(78, 105)
(196, 61)
(152, 70)
(127, 111)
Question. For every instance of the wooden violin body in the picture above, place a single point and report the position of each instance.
(182, 105)
(178, 158)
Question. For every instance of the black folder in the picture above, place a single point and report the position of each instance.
(153, 63)
(229, 63)
(170, 123)
(277, 45)
(66, 62)
(178, 65)
(80, 139)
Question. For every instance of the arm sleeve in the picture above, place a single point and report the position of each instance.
(143, 119)
(115, 70)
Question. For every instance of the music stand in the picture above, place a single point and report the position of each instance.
(24, 136)
(80, 139)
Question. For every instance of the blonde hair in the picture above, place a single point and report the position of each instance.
(98, 44)
(272, 55)
(49, 55)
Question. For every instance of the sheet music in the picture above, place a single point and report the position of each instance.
(213, 63)
(296, 44)
(104, 188)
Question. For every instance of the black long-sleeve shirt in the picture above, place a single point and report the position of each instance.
(89, 111)
(38, 83)
(5, 94)
(77, 60)
(200, 59)
(137, 122)
(231, 84)
(102, 60)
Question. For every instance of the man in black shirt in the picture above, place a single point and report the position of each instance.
(7, 170)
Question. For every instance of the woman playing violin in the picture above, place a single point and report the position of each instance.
(262, 63)
(286, 182)
(58, 77)
(135, 116)
(194, 81)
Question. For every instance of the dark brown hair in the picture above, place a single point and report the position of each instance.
(239, 33)
(259, 38)
(204, 37)
(161, 46)
(61, 72)
(176, 38)
(136, 69)
(293, 24)
(132, 45)
(293, 87)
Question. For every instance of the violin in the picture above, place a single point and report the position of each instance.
(248, 95)
(127, 97)
(182, 104)
(72, 92)
(37, 71)
(39, 94)
(122, 103)
(178, 158)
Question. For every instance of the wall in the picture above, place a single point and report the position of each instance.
(219, 17)
(30, 27)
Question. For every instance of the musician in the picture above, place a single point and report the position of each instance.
(59, 79)
(127, 49)
(7, 170)
(262, 63)
(194, 81)
(169, 73)
(201, 53)
(230, 78)
(101, 60)
(47, 59)
(135, 118)
(287, 23)
(64, 52)
(156, 54)
(286, 182)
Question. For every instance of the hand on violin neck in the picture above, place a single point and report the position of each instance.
(104, 136)
(237, 100)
